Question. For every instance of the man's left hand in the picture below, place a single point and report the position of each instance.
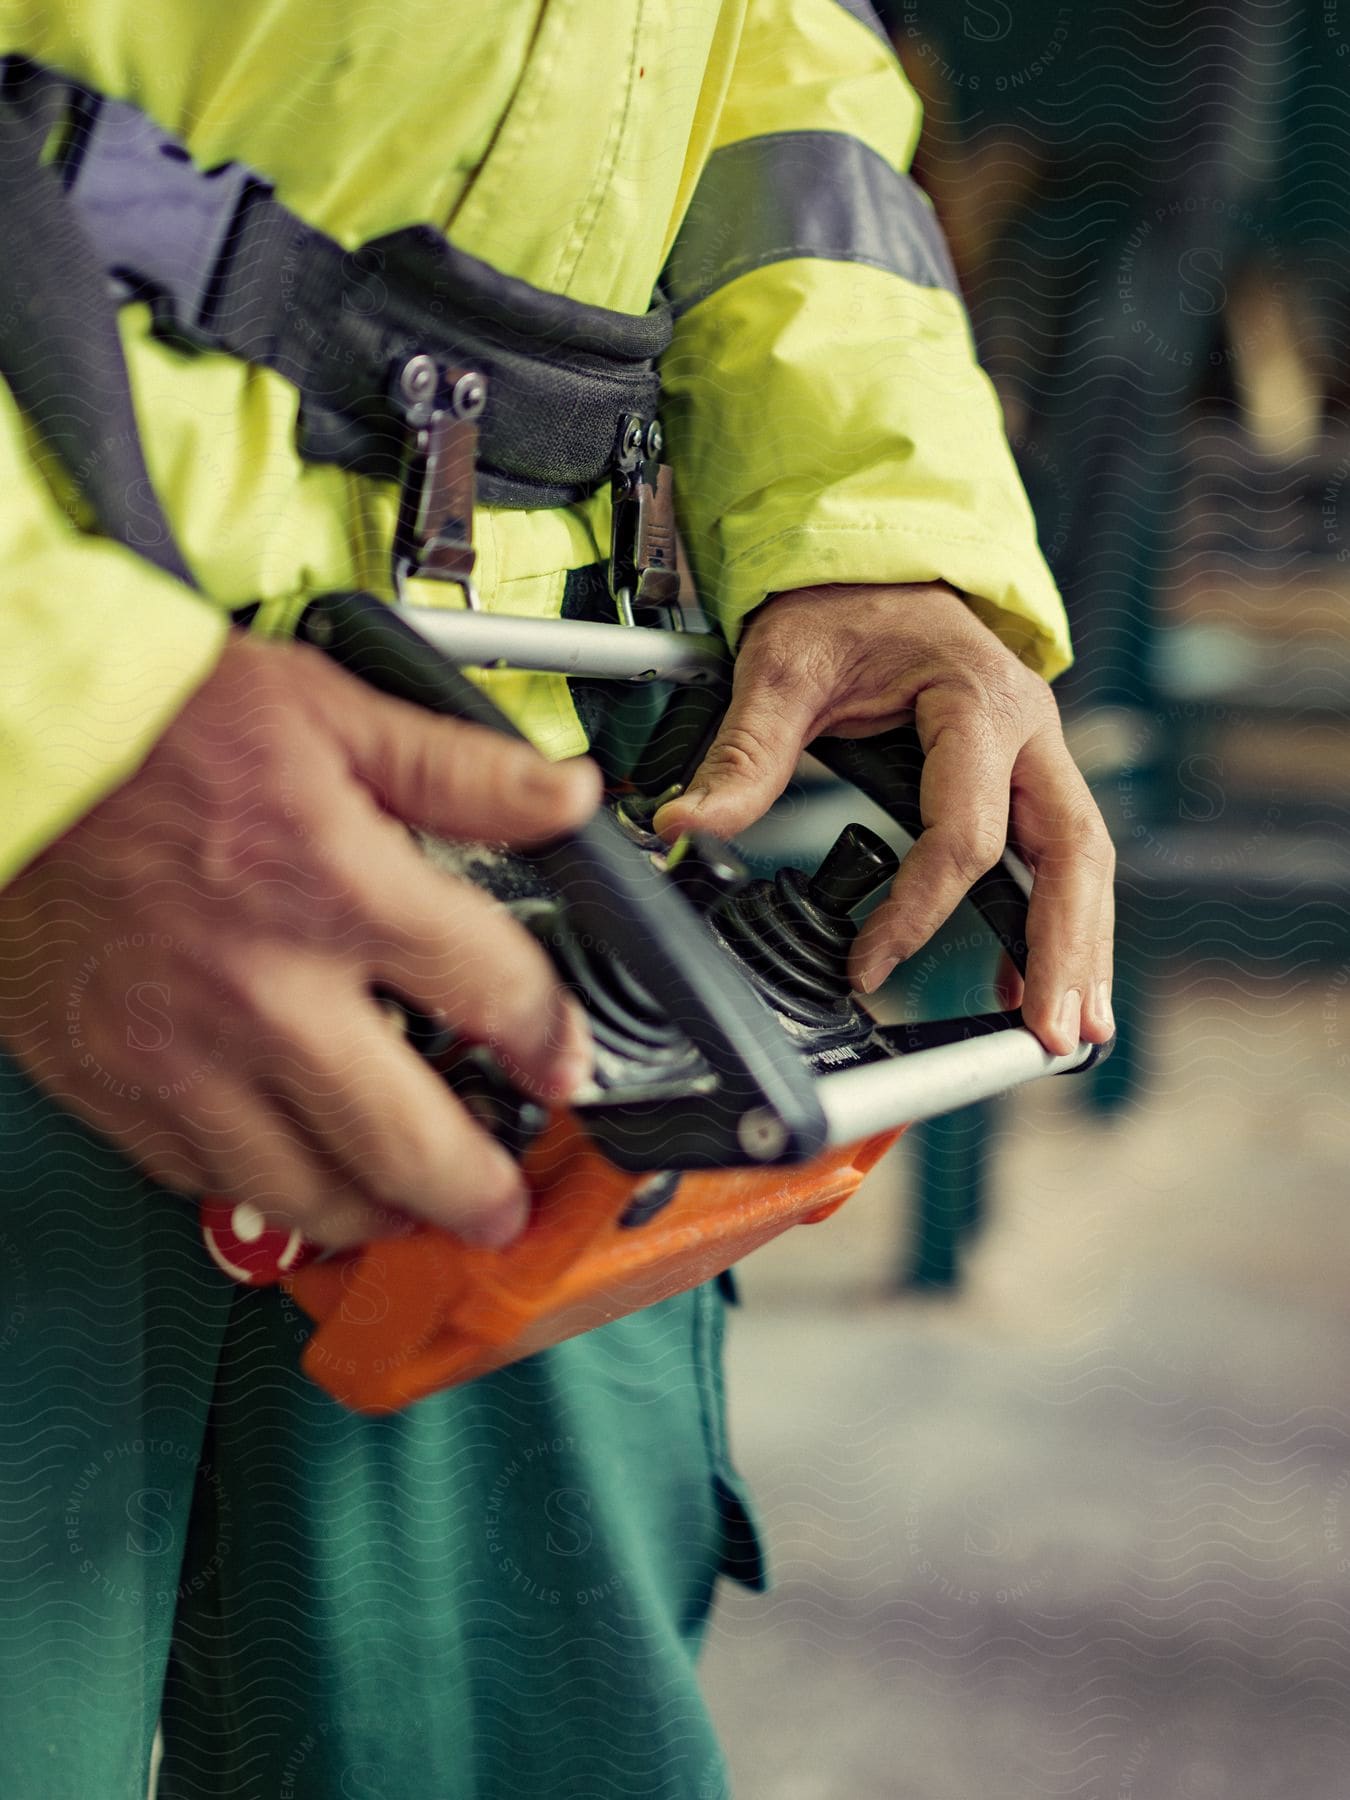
(854, 661)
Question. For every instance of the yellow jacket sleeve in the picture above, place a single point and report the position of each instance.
(826, 413)
(98, 651)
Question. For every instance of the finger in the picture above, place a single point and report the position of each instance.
(241, 1147)
(963, 803)
(457, 954)
(1008, 984)
(1099, 1017)
(368, 1104)
(1069, 915)
(752, 758)
(452, 951)
(465, 781)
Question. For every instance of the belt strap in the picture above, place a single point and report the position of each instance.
(60, 351)
(227, 267)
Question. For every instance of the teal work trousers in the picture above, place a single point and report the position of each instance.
(497, 1593)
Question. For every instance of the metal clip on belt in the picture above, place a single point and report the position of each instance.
(392, 346)
(642, 563)
(434, 534)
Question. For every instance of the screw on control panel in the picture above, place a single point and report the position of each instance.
(468, 397)
(655, 439)
(761, 1134)
(704, 870)
(417, 379)
(632, 436)
(316, 628)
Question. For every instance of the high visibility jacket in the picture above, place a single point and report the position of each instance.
(823, 407)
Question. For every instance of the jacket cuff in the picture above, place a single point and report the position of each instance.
(1015, 597)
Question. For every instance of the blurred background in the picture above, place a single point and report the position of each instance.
(1050, 1428)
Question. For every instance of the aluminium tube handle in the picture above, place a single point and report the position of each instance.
(583, 649)
(940, 1078)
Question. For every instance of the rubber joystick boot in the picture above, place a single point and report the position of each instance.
(795, 932)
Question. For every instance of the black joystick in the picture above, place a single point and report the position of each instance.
(855, 866)
(795, 931)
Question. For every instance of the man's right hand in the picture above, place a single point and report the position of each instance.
(191, 967)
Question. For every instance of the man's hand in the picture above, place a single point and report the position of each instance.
(854, 661)
(190, 968)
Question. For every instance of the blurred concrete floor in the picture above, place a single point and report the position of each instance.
(1084, 1529)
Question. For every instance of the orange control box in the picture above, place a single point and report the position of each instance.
(402, 1317)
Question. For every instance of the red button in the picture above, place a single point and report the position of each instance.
(247, 1248)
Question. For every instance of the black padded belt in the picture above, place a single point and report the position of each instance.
(227, 267)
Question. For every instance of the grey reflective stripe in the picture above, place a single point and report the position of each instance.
(864, 14)
(803, 193)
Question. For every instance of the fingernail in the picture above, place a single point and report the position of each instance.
(502, 1226)
(1105, 1017)
(1070, 1016)
(571, 1072)
(585, 772)
(573, 1058)
(694, 796)
(875, 973)
(560, 782)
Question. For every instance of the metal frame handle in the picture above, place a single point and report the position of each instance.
(625, 907)
(767, 1108)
